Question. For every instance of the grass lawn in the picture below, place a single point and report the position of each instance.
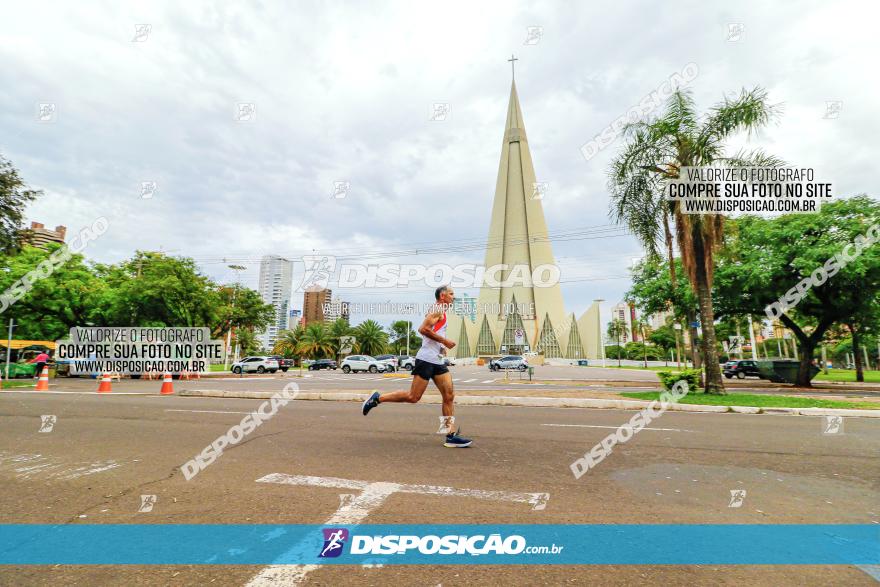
(18, 383)
(847, 375)
(671, 367)
(759, 401)
(217, 367)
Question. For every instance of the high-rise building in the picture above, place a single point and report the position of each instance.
(39, 236)
(294, 317)
(625, 314)
(466, 306)
(315, 299)
(276, 277)
(335, 310)
(513, 315)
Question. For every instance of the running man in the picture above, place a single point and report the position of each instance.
(430, 365)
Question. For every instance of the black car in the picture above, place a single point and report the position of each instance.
(741, 369)
(323, 364)
(283, 364)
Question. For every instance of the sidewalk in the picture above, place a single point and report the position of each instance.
(568, 398)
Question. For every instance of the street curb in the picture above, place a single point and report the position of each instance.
(539, 402)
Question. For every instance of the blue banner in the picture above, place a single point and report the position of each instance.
(536, 544)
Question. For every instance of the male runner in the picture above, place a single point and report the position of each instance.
(431, 366)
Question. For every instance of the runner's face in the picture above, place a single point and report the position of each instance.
(447, 296)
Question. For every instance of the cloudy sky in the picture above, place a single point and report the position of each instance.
(344, 92)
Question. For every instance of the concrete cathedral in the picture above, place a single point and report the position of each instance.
(520, 318)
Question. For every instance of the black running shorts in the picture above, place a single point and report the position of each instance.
(428, 371)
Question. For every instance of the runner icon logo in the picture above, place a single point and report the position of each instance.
(334, 540)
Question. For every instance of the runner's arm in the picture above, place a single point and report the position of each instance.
(427, 330)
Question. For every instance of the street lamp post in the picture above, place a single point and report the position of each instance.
(601, 344)
(237, 269)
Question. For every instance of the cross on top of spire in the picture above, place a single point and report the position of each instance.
(512, 61)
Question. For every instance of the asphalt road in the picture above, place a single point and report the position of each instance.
(105, 451)
(467, 378)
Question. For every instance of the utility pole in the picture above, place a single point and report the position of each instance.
(9, 347)
(824, 360)
(408, 328)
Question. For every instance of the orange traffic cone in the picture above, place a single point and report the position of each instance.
(104, 386)
(167, 386)
(43, 381)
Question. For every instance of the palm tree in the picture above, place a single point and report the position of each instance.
(371, 339)
(288, 341)
(315, 342)
(655, 153)
(337, 330)
(642, 326)
(615, 328)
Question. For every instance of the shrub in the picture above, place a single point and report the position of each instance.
(669, 378)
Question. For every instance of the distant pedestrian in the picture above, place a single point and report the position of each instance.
(41, 361)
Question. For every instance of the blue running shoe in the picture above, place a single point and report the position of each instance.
(456, 441)
(371, 402)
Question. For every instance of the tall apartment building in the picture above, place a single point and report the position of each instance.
(337, 309)
(39, 236)
(276, 277)
(314, 299)
(626, 313)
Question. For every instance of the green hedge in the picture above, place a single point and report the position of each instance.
(669, 378)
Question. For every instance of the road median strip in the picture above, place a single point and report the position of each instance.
(540, 402)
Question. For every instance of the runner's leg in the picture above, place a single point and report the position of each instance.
(416, 389)
(444, 384)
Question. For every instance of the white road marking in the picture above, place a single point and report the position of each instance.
(489, 381)
(37, 464)
(354, 511)
(5, 391)
(206, 411)
(614, 427)
(468, 380)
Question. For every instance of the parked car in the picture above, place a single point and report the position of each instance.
(390, 361)
(517, 362)
(283, 364)
(322, 364)
(255, 365)
(448, 362)
(741, 369)
(406, 362)
(362, 363)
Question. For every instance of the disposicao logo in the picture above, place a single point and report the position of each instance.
(334, 540)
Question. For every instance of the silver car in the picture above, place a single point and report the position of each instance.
(255, 365)
(357, 363)
(517, 362)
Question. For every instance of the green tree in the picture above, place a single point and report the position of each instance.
(655, 152)
(240, 307)
(247, 342)
(399, 329)
(371, 339)
(315, 342)
(765, 259)
(336, 331)
(616, 329)
(14, 197)
(663, 337)
(54, 304)
(153, 289)
(288, 341)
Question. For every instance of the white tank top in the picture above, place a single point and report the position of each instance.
(431, 350)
